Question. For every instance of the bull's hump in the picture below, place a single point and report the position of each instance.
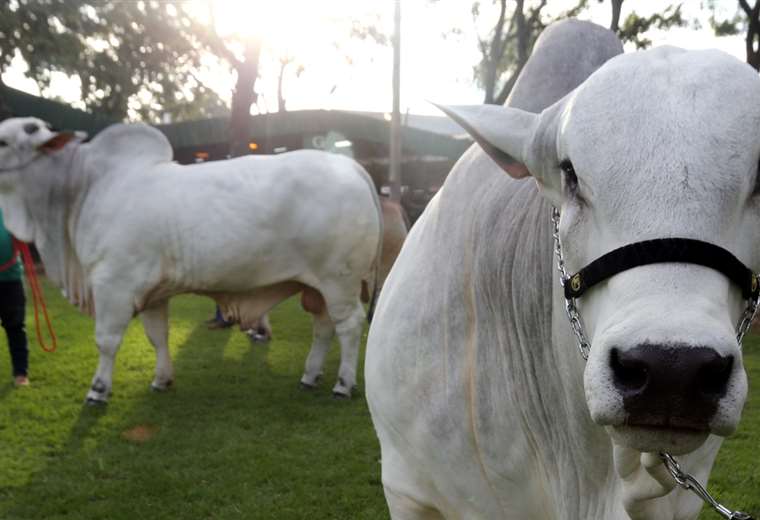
(565, 54)
(128, 147)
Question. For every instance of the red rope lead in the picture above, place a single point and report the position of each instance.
(37, 296)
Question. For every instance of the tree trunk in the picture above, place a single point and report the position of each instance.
(394, 171)
(5, 111)
(523, 32)
(242, 99)
(280, 98)
(753, 37)
(615, 23)
(492, 54)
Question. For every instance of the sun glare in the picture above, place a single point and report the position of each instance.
(284, 26)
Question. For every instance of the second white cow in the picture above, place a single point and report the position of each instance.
(121, 228)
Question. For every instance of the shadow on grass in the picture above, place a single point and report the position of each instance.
(235, 438)
(5, 390)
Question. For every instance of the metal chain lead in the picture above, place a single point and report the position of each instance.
(747, 318)
(687, 481)
(683, 479)
(570, 308)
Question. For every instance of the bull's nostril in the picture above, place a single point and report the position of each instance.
(631, 375)
(714, 376)
(31, 128)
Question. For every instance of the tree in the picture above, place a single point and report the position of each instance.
(635, 27)
(118, 50)
(131, 55)
(285, 61)
(617, 7)
(752, 39)
(747, 18)
(5, 112)
(506, 48)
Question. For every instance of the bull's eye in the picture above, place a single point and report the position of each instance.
(3, 143)
(571, 180)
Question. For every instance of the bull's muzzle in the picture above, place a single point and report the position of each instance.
(670, 386)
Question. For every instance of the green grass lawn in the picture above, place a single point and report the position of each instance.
(236, 438)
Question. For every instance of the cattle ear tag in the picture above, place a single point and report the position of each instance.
(56, 142)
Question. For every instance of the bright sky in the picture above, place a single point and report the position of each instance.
(435, 66)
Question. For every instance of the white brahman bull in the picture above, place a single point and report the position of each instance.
(395, 229)
(121, 228)
(482, 404)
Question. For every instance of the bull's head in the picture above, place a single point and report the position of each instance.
(657, 144)
(23, 141)
(24, 138)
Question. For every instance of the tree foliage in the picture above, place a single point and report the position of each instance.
(507, 46)
(118, 50)
(635, 27)
(746, 19)
(505, 49)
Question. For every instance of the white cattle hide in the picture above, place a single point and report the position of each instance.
(120, 228)
(482, 404)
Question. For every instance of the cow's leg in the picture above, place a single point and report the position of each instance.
(348, 316)
(113, 314)
(265, 327)
(404, 479)
(403, 507)
(262, 331)
(156, 324)
(324, 331)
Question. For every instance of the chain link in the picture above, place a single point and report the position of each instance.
(746, 321)
(683, 479)
(584, 346)
(690, 483)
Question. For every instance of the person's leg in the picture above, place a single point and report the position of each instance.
(12, 314)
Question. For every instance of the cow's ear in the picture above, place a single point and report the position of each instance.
(504, 133)
(56, 142)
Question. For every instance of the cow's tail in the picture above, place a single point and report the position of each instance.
(379, 252)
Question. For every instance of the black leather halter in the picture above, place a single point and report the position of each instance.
(682, 250)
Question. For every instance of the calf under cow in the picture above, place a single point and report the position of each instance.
(482, 404)
(121, 228)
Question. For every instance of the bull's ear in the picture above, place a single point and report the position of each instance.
(56, 142)
(504, 133)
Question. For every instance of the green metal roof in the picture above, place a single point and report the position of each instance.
(191, 134)
(57, 114)
(205, 132)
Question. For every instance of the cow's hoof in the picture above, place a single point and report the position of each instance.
(341, 391)
(155, 387)
(95, 403)
(306, 384)
(258, 335)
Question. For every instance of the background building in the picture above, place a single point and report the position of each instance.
(430, 144)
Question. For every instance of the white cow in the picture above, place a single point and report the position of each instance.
(482, 404)
(121, 228)
(395, 228)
